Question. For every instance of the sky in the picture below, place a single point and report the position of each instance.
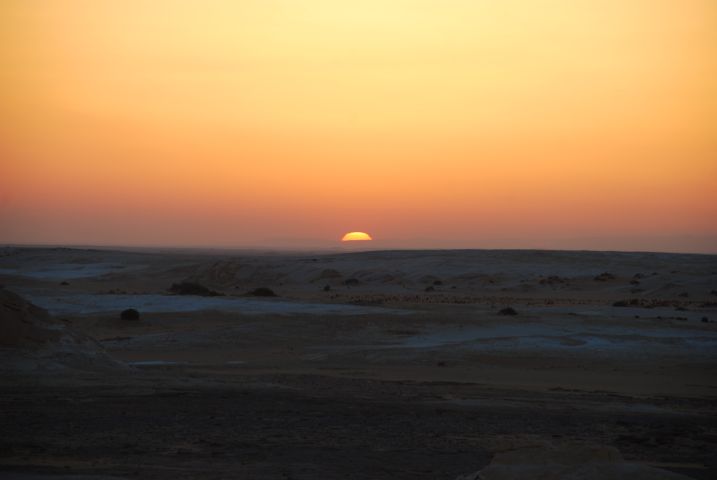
(580, 124)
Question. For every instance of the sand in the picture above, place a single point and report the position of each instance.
(366, 365)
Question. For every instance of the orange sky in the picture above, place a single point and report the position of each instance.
(454, 123)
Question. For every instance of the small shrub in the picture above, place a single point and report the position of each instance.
(351, 282)
(507, 311)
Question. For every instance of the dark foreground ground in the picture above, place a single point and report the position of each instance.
(306, 427)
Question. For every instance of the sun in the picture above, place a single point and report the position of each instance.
(356, 236)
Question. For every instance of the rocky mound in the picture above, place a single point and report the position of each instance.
(547, 462)
(32, 340)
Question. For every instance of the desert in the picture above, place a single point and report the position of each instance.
(376, 364)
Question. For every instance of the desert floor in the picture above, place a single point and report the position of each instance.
(366, 365)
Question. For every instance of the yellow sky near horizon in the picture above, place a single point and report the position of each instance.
(220, 122)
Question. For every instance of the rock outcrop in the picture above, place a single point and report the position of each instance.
(31, 340)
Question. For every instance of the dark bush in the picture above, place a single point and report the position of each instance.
(430, 288)
(327, 288)
(351, 282)
(507, 311)
(129, 314)
(683, 294)
(262, 292)
(64, 284)
(621, 303)
(438, 282)
(192, 288)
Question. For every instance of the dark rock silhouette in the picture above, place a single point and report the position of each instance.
(262, 292)
(507, 311)
(129, 314)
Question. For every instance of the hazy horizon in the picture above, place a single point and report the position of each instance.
(696, 245)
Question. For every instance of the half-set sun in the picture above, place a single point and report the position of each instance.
(356, 236)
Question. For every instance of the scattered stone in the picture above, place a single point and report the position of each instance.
(64, 284)
(429, 288)
(441, 364)
(129, 314)
(621, 303)
(327, 288)
(262, 292)
(438, 282)
(705, 320)
(507, 311)
(351, 282)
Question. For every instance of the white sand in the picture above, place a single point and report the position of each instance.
(84, 304)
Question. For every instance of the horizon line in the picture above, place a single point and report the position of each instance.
(331, 250)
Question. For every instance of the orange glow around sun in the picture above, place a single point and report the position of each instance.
(456, 124)
(356, 236)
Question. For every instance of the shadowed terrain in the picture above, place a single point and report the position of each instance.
(401, 364)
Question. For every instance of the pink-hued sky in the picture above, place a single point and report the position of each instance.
(280, 124)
